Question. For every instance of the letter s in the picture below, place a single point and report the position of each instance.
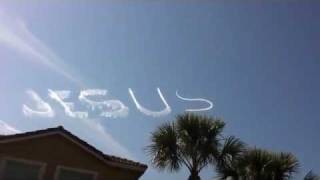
(210, 104)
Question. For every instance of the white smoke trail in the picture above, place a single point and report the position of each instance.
(110, 108)
(43, 108)
(196, 99)
(148, 112)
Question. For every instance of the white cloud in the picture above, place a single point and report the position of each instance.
(6, 129)
(43, 108)
(148, 112)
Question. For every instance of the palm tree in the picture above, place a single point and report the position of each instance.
(258, 164)
(311, 176)
(283, 165)
(193, 141)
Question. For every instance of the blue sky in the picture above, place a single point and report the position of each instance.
(257, 61)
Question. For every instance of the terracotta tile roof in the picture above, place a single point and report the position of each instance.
(60, 129)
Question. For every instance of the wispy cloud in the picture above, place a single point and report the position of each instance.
(105, 141)
(6, 129)
(15, 34)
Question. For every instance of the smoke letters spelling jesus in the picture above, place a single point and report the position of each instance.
(111, 108)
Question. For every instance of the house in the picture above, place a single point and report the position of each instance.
(56, 154)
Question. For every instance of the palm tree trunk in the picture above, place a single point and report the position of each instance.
(194, 175)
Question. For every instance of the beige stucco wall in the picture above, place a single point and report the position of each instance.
(55, 150)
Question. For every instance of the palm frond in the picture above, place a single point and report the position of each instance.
(164, 149)
(284, 165)
(311, 176)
